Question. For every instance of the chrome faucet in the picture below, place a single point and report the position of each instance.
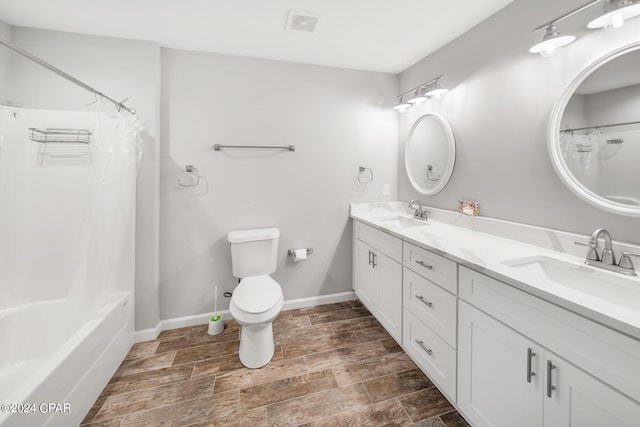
(420, 212)
(608, 258)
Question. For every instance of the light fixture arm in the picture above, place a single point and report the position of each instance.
(566, 15)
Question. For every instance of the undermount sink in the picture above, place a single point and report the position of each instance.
(612, 287)
(399, 221)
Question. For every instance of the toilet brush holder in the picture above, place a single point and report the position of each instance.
(216, 325)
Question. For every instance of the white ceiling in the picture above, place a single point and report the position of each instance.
(376, 35)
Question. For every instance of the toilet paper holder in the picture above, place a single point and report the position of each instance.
(292, 252)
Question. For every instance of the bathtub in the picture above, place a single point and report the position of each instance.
(54, 364)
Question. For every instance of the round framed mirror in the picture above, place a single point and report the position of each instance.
(430, 154)
(594, 133)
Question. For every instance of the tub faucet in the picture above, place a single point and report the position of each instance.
(420, 212)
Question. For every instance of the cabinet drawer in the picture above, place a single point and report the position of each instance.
(604, 353)
(385, 243)
(438, 269)
(433, 305)
(430, 353)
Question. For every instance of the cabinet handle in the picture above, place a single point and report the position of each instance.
(374, 259)
(370, 253)
(530, 373)
(422, 346)
(430, 267)
(427, 303)
(550, 387)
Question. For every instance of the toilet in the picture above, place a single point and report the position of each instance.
(257, 299)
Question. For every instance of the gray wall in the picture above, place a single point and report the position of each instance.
(499, 109)
(338, 119)
(119, 68)
(5, 62)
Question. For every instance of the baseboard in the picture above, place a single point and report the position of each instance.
(202, 319)
(319, 300)
(149, 334)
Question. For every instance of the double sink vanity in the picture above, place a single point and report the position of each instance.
(512, 332)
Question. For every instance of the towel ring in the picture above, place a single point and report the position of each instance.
(190, 169)
(362, 169)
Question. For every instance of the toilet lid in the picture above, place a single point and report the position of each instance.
(257, 294)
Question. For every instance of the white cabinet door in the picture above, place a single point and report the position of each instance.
(390, 305)
(579, 400)
(499, 373)
(365, 280)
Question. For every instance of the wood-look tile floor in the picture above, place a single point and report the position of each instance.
(334, 365)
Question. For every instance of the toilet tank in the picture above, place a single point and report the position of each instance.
(254, 252)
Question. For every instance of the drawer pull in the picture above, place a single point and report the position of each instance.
(370, 253)
(430, 267)
(374, 260)
(550, 386)
(424, 301)
(530, 373)
(422, 346)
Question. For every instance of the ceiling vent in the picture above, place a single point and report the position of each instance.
(302, 21)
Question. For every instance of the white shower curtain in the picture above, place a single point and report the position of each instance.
(109, 229)
(580, 153)
(67, 222)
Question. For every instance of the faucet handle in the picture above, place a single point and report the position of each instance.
(592, 254)
(625, 260)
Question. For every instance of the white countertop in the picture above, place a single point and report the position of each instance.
(487, 254)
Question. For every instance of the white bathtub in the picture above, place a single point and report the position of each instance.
(49, 355)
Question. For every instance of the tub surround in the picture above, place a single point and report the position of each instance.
(488, 250)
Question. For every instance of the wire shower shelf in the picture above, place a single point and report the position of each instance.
(60, 135)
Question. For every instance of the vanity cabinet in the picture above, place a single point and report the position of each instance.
(377, 276)
(506, 378)
(430, 315)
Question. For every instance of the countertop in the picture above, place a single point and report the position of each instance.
(490, 255)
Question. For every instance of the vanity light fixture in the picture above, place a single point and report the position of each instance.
(615, 13)
(420, 94)
(402, 105)
(436, 90)
(551, 41)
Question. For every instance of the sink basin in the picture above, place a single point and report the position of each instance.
(399, 221)
(605, 285)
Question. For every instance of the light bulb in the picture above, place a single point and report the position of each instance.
(548, 51)
(435, 93)
(417, 100)
(402, 107)
(617, 20)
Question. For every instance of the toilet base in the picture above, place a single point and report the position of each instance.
(256, 345)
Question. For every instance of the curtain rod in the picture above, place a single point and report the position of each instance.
(119, 105)
(568, 129)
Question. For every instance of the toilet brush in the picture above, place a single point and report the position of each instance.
(215, 323)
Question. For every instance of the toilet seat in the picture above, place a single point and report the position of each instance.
(257, 299)
(256, 294)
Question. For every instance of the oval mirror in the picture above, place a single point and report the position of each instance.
(430, 154)
(594, 133)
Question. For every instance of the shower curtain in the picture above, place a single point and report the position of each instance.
(67, 222)
(605, 163)
(580, 155)
(110, 223)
